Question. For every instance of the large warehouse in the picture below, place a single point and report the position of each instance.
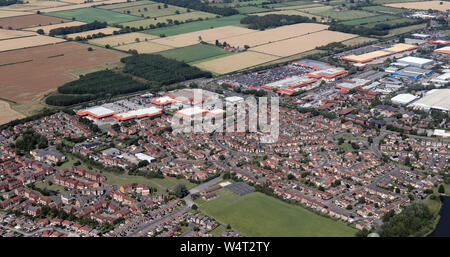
(437, 99)
(403, 99)
(416, 61)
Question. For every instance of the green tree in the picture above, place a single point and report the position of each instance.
(180, 190)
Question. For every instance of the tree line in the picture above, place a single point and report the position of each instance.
(77, 29)
(9, 2)
(161, 70)
(201, 6)
(272, 20)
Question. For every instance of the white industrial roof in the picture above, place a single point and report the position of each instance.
(100, 111)
(412, 59)
(144, 157)
(436, 99)
(234, 99)
(404, 98)
(192, 111)
(139, 112)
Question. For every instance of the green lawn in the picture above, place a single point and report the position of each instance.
(380, 8)
(124, 5)
(93, 14)
(196, 26)
(183, 17)
(150, 10)
(371, 20)
(345, 15)
(256, 214)
(251, 9)
(193, 53)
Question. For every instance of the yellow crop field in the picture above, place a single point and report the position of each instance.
(123, 39)
(77, 6)
(208, 35)
(32, 5)
(145, 47)
(303, 43)
(273, 35)
(47, 28)
(434, 5)
(6, 13)
(7, 114)
(10, 34)
(235, 62)
(106, 31)
(18, 43)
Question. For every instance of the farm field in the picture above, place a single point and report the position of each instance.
(289, 12)
(357, 41)
(150, 10)
(196, 26)
(434, 5)
(25, 21)
(5, 13)
(191, 16)
(26, 77)
(208, 35)
(273, 35)
(344, 15)
(303, 43)
(47, 28)
(316, 10)
(385, 9)
(235, 62)
(371, 20)
(7, 114)
(106, 31)
(256, 214)
(32, 5)
(194, 53)
(9, 34)
(250, 9)
(125, 4)
(77, 6)
(144, 47)
(122, 39)
(296, 7)
(94, 14)
(24, 42)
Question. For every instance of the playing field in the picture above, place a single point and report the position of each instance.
(303, 43)
(235, 62)
(194, 53)
(94, 14)
(24, 42)
(191, 16)
(196, 26)
(7, 114)
(144, 47)
(434, 5)
(10, 34)
(19, 22)
(122, 39)
(28, 74)
(258, 215)
(47, 28)
(106, 31)
(258, 38)
(208, 35)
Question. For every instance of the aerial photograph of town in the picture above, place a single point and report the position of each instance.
(224, 119)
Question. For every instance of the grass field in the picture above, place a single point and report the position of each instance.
(123, 39)
(383, 9)
(183, 17)
(7, 114)
(196, 26)
(403, 30)
(251, 9)
(357, 41)
(344, 15)
(194, 53)
(94, 14)
(371, 20)
(150, 10)
(124, 5)
(256, 214)
(144, 47)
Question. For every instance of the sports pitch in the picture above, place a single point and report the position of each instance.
(194, 53)
(256, 214)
